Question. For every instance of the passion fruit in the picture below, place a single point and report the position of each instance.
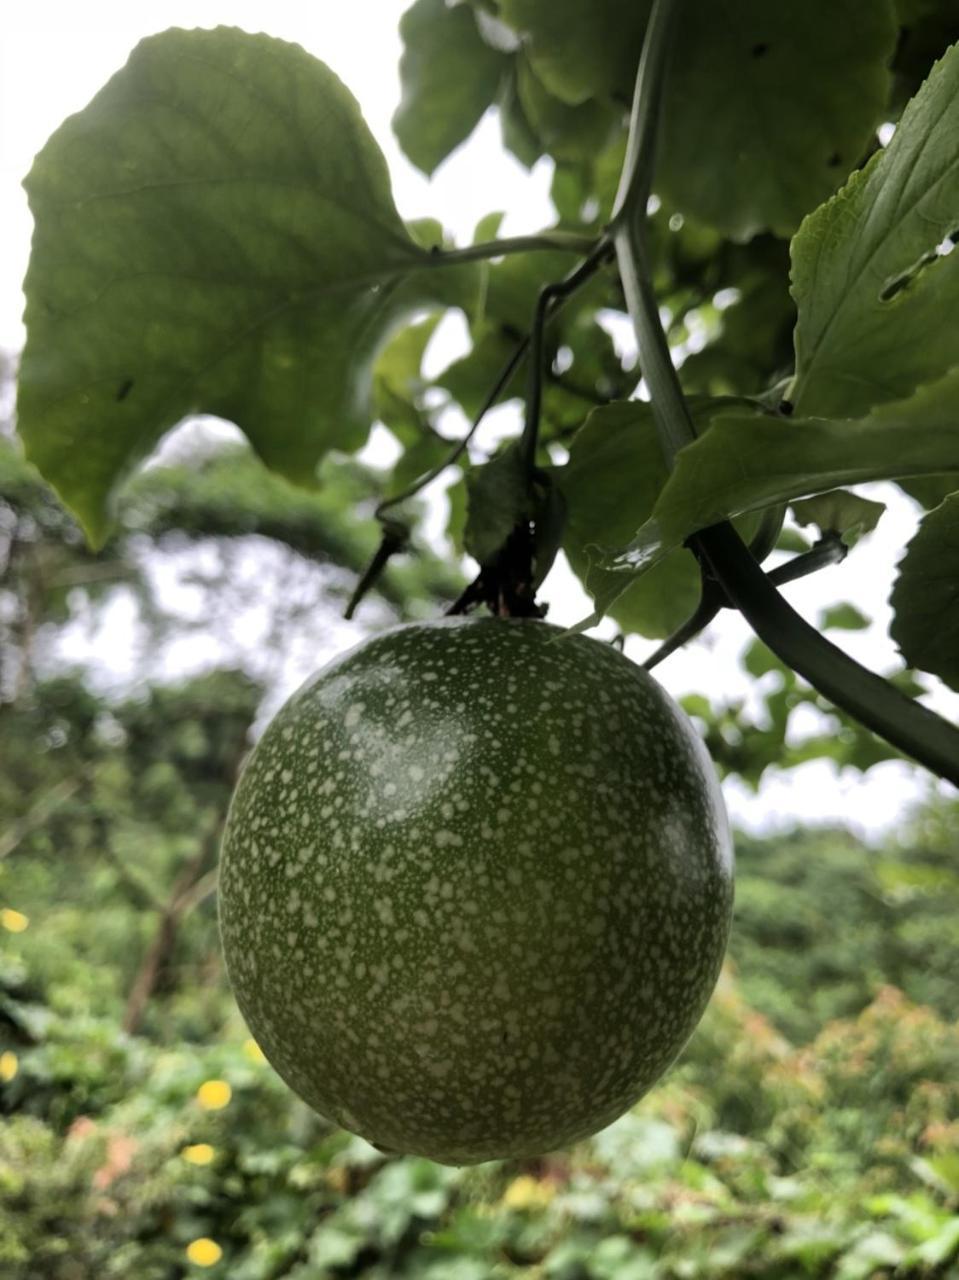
(475, 888)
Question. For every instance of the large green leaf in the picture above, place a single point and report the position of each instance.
(746, 460)
(926, 595)
(215, 232)
(767, 106)
(876, 300)
(449, 76)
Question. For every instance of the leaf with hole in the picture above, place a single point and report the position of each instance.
(875, 284)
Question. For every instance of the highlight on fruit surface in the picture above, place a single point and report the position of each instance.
(475, 888)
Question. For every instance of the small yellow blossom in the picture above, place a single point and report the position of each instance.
(253, 1051)
(525, 1192)
(204, 1252)
(198, 1153)
(14, 921)
(214, 1095)
(9, 1066)
(338, 1179)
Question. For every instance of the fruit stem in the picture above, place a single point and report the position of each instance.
(907, 725)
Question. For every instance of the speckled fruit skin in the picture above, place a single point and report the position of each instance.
(475, 888)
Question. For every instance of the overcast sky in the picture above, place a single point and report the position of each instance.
(53, 58)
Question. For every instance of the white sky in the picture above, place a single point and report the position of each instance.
(53, 58)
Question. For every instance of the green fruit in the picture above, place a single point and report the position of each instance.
(475, 889)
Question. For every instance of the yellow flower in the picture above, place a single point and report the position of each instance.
(525, 1192)
(14, 921)
(214, 1095)
(253, 1051)
(9, 1066)
(204, 1252)
(199, 1153)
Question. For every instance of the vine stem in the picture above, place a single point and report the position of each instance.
(907, 725)
(550, 297)
(562, 241)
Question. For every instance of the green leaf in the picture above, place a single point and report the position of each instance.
(215, 233)
(747, 460)
(581, 48)
(766, 108)
(497, 498)
(925, 598)
(614, 474)
(518, 134)
(449, 76)
(929, 491)
(397, 381)
(876, 298)
(842, 617)
(938, 1249)
(839, 511)
(469, 378)
(568, 132)
(755, 333)
(769, 105)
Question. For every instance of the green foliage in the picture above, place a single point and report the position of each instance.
(292, 324)
(899, 905)
(806, 1160)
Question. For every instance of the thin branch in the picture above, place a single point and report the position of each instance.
(499, 386)
(550, 299)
